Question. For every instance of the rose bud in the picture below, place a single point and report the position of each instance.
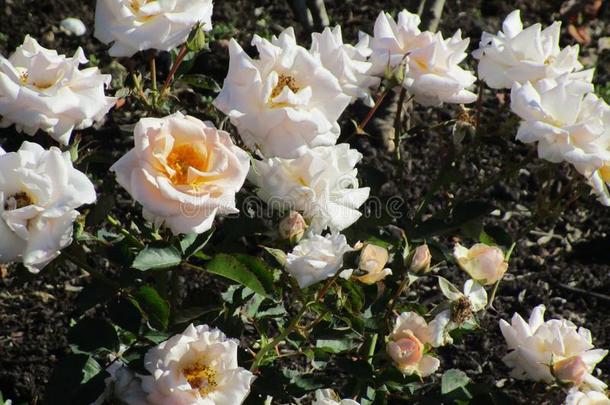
(373, 259)
(485, 264)
(420, 263)
(572, 369)
(292, 227)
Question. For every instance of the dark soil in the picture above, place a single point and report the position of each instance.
(35, 310)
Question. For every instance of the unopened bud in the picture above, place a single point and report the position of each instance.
(420, 263)
(373, 259)
(292, 227)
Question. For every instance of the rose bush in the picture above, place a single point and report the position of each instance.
(266, 261)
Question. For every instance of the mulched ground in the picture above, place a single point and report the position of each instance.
(547, 267)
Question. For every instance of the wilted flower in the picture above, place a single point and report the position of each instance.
(40, 89)
(555, 349)
(329, 397)
(137, 25)
(322, 184)
(576, 397)
(420, 263)
(293, 227)
(462, 308)
(372, 260)
(348, 63)
(286, 101)
(485, 264)
(39, 193)
(317, 258)
(433, 75)
(393, 40)
(520, 55)
(407, 345)
(199, 367)
(183, 171)
(567, 121)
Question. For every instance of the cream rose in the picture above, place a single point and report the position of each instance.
(40, 89)
(317, 258)
(39, 193)
(293, 227)
(196, 367)
(285, 102)
(485, 264)
(137, 25)
(576, 397)
(406, 346)
(183, 171)
(420, 263)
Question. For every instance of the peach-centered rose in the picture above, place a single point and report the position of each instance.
(407, 351)
(572, 369)
(183, 171)
(485, 264)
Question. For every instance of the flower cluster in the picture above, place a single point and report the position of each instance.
(552, 96)
(554, 350)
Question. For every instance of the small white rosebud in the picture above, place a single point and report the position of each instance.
(73, 26)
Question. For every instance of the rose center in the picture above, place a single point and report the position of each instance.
(201, 377)
(410, 350)
(17, 201)
(181, 159)
(284, 81)
(135, 7)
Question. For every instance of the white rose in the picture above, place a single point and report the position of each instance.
(348, 63)
(600, 182)
(567, 122)
(39, 193)
(407, 345)
(393, 40)
(483, 263)
(317, 258)
(539, 350)
(137, 25)
(433, 75)
(40, 89)
(576, 397)
(183, 171)
(520, 55)
(329, 397)
(322, 184)
(196, 367)
(285, 102)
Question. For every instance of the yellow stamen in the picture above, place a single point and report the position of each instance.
(604, 171)
(181, 159)
(201, 378)
(283, 81)
(17, 201)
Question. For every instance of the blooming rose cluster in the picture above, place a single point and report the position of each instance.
(554, 350)
(552, 96)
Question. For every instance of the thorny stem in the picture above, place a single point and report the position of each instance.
(139, 89)
(114, 222)
(373, 110)
(398, 121)
(372, 348)
(93, 272)
(278, 339)
(153, 73)
(179, 58)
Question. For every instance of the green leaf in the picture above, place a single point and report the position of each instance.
(153, 306)
(277, 254)
(334, 345)
(91, 334)
(260, 269)
(201, 82)
(124, 313)
(77, 379)
(196, 40)
(193, 243)
(452, 380)
(230, 267)
(156, 257)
